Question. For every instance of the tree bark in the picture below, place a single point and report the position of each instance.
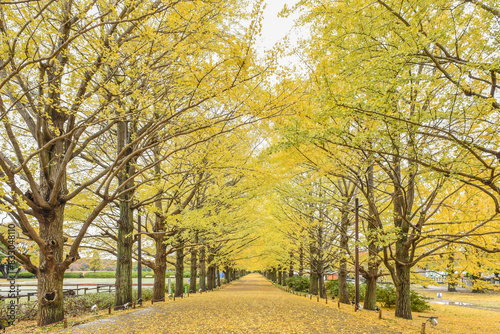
(403, 302)
(371, 275)
(50, 275)
(160, 270)
(179, 270)
(194, 267)
(301, 261)
(210, 270)
(344, 239)
(203, 286)
(123, 281)
(313, 286)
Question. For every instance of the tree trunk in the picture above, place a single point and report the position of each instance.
(371, 275)
(301, 261)
(50, 276)
(203, 275)
(123, 281)
(344, 239)
(370, 293)
(179, 271)
(210, 270)
(192, 283)
(280, 277)
(313, 286)
(218, 277)
(160, 269)
(161, 248)
(403, 302)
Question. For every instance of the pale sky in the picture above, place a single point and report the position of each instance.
(274, 28)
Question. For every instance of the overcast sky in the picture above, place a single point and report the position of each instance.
(274, 28)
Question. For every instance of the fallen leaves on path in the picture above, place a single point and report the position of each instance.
(250, 305)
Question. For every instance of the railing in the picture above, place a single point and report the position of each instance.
(69, 290)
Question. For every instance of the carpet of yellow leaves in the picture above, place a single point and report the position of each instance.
(250, 305)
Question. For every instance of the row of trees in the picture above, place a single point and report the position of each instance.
(109, 113)
(403, 114)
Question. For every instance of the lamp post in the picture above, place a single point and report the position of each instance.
(356, 226)
(139, 262)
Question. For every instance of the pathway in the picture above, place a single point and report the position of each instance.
(250, 305)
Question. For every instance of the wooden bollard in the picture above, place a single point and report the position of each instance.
(133, 305)
(423, 328)
(339, 303)
(65, 323)
(317, 297)
(109, 310)
(380, 314)
(310, 297)
(152, 301)
(326, 299)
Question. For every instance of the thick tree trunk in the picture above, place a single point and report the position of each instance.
(322, 288)
(159, 270)
(50, 276)
(280, 277)
(210, 270)
(370, 293)
(179, 271)
(313, 286)
(403, 302)
(192, 283)
(203, 273)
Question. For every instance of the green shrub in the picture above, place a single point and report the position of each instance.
(187, 274)
(112, 274)
(298, 283)
(79, 305)
(100, 274)
(26, 274)
(387, 297)
(332, 288)
(418, 302)
(73, 275)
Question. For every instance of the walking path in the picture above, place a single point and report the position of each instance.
(250, 305)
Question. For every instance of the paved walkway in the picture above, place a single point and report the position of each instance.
(250, 305)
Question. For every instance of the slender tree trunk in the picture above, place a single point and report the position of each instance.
(344, 239)
(203, 274)
(192, 283)
(290, 269)
(301, 261)
(123, 281)
(450, 269)
(280, 277)
(161, 248)
(179, 271)
(218, 277)
(371, 275)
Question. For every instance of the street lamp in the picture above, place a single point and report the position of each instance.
(356, 226)
(139, 261)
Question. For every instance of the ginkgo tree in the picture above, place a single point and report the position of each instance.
(81, 87)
